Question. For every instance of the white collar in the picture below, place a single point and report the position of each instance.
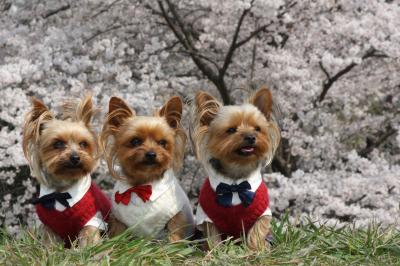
(158, 187)
(255, 179)
(77, 191)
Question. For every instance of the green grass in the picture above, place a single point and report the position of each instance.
(306, 244)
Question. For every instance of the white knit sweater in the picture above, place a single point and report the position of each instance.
(151, 217)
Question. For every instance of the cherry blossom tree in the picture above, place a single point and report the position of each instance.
(332, 66)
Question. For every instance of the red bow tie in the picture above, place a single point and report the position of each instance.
(143, 192)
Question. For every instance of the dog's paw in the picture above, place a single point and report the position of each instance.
(89, 235)
(258, 235)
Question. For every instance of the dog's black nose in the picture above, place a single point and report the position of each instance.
(74, 158)
(151, 155)
(250, 139)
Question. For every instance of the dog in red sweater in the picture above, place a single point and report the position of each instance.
(62, 153)
(233, 143)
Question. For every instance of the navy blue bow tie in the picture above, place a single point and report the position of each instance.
(48, 201)
(225, 193)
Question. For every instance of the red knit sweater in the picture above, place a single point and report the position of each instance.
(68, 223)
(234, 220)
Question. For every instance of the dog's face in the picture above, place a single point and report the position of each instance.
(144, 147)
(67, 149)
(62, 150)
(239, 134)
(235, 140)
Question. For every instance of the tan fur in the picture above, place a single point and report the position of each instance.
(256, 235)
(89, 235)
(224, 145)
(41, 130)
(72, 134)
(34, 119)
(218, 134)
(210, 121)
(131, 159)
(79, 110)
(118, 112)
(172, 111)
(49, 162)
(212, 234)
(115, 226)
(122, 126)
(203, 109)
(262, 99)
(178, 226)
(48, 236)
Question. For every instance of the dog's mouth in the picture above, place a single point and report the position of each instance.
(72, 166)
(71, 170)
(246, 150)
(149, 162)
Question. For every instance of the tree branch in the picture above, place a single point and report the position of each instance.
(4, 6)
(253, 60)
(191, 12)
(100, 32)
(383, 136)
(233, 46)
(330, 80)
(105, 9)
(181, 24)
(55, 11)
(197, 54)
(184, 37)
(187, 37)
(355, 201)
(253, 34)
(171, 25)
(264, 27)
(324, 70)
(287, 7)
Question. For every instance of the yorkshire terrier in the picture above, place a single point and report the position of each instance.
(143, 154)
(62, 153)
(233, 143)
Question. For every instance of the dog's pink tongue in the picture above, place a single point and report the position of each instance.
(247, 149)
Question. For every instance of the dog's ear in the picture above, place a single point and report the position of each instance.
(85, 110)
(172, 111)
(206, 108)
(262, 99)
(38, 115)
(118, 111)
(33, 125)
(38, 108)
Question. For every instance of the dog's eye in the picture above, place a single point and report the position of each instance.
(257, 128)
(83, 144)
(136, 142)
(231, 130)
(59, 144)
(163, 142)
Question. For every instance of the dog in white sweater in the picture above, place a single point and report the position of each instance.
(148, 151)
